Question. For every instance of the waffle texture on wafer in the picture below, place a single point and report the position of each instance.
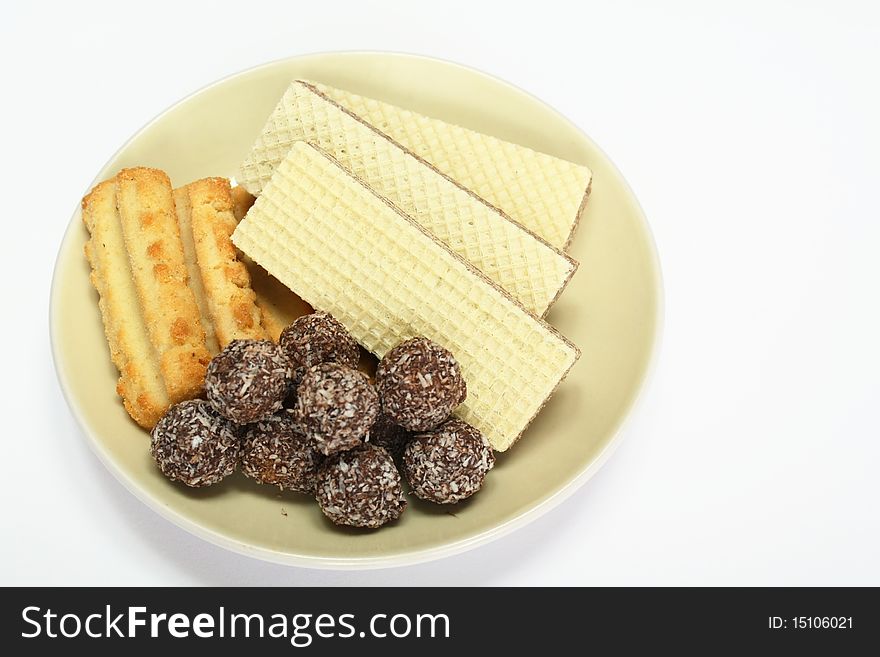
(140, 377)
(348, 251)
(168, 306)
(543, 193)
(224, 279)
(533, 271)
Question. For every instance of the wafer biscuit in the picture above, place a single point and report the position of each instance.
(278, 305)
(140, 378)
(222, 276)
(348, 251)
(530, 269)
(152, 239)
(543, 193)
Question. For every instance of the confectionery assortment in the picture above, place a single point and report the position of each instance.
(530, 269)
(335, 444)
(238, 316)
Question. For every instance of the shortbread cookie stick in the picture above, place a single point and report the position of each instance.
(348, 251)
(278, 305)
(152, 238)
(543, 193)
(140, 378)
(223, 276)
(184, 220)
(242, 200)
(530, 269)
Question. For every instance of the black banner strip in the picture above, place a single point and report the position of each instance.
(437, 621)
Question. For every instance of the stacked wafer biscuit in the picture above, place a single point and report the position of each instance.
(348, 251)
(544, 193)
(172, 290)
(529, 268)
(401, 225)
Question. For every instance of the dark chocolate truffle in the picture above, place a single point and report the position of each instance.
(360, 488)
(248, 380)
(193, 444)
(336, 405)
(275, 451)
(447, 464)
(318, 338)
(393, 437)
(419, 384)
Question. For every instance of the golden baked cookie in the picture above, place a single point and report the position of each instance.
(152, 238)
(140, 377)
(225, 281)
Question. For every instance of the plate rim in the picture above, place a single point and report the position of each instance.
(411, 557)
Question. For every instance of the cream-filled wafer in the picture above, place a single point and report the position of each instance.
(140, 378)
(278, 305)
(223, 277)
(184, 220)
(348, 251)
(545, 194)
(152, 239)
(530, 269)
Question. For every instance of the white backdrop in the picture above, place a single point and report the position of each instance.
(750, 135)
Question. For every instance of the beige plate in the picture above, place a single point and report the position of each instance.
(611, 309)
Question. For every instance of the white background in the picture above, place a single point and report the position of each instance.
(748, 131)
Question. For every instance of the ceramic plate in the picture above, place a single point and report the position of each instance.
(611, 309)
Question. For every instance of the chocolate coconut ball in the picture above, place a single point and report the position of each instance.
(318, 338)
(336, 405)
(312, 339)
(419, 383)
(447, 464)
(360, 488)
(275, 451)
(248, 380)
(193, 444)
(393, 437)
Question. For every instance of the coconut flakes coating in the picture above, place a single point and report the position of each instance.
(419, 383)
(393, 437)
(275, 451)
(248, 380)
(312, 339)
(336, 405)
(360, 488)
(195, 445)
(318, 338)
(448, 464)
